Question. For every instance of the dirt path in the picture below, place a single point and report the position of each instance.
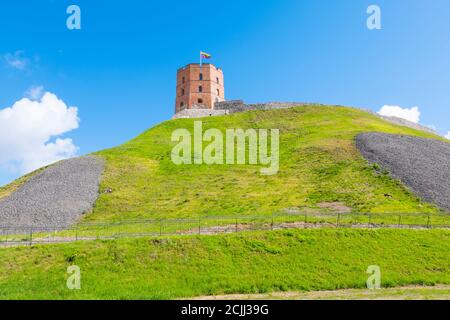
(440, 292)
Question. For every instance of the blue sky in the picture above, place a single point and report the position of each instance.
(119, 69)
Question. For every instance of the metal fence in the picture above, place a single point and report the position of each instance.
(210, 225)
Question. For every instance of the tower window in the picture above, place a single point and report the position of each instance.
(217, 79)
(182, 80)
(200, 100)
(182, 92)
(218, 92)
(181, 104)
(200, 89)
(201, 76)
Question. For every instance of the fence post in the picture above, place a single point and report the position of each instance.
(271, 226)
(399, 221)
(199, 225)
(370, 220)
(31, 236)
(160, 227)
(338, 218)
(429, 222)
(236, 225)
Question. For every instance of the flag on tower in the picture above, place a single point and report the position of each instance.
(205, 55)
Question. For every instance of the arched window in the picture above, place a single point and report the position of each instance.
(182, 80)
(182, 92)
(217, 79)
(181, 104)
(218, 92)
(200, 100)
(200, 89)
(201, 76)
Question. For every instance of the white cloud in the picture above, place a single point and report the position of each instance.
(35, 92)
(412, 114)
(17, 60)
(30, 133)
(448, 135)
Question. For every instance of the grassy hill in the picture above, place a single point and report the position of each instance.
(319, 163)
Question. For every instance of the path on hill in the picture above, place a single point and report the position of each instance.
(439, 292)
(423, 165)
(57, 197)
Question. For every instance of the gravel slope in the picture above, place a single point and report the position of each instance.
(421, 164)
(56, 197)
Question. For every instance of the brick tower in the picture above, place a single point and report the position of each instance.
(199, 87)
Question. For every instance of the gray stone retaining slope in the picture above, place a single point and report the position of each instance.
(56, 197)
(423, 165)
(404, 122)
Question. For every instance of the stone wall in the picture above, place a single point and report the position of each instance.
(199, 113)
(234, 106)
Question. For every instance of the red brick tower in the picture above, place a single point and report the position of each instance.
(199, 87)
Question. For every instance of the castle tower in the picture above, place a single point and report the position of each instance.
(199, 87)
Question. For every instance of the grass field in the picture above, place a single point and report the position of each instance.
(253, 262)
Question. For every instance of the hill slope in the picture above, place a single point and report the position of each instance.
(319, 163)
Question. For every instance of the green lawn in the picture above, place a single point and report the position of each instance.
(253, 262)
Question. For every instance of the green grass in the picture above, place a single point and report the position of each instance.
(318, 163)
(252, 262)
